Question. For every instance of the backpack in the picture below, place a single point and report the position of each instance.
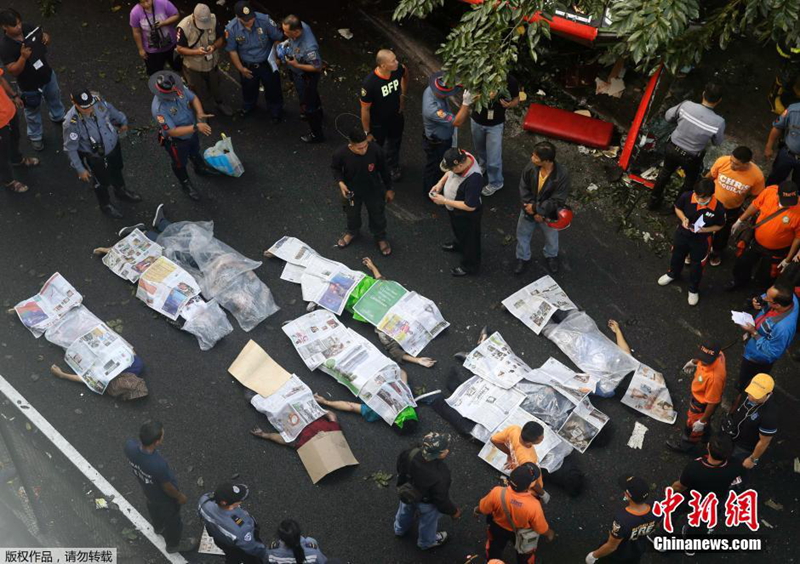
(407, 492)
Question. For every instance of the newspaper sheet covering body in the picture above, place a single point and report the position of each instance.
(378, 300)
(413, 322)
(290, 409)
(553, 370)
(324, 453)
(293, 273)
(387, 395)
(483, 402)
(43, 310)
(339, 282)
(493, 360)
(99, 356)
(166, 287)
(131, 256)
(536, 303)
(648, 394)
(318, 336)
(583, 425)
(255, 369)
(358, 364)
(293, 251)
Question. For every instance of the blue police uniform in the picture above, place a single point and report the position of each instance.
(170, 113)
(437, 121)
(253, 47)
(235, 532)
(788, 159)
(91, 143)
(305, 50)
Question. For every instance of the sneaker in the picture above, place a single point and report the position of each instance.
(490, 190)
(665, 279)
(311, 138)
(687, 260)
(441, 538)
(679, 446)
(694, 297)
(158, 216)
(520, 266)
(111, 211)
(552, 265)
(38, 145)
(458, 272)
(715, 260)
(449, 247)
(125, 231)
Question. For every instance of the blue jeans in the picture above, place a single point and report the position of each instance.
(488, 144)
(428, 522)
(33, 102)
(525, 229)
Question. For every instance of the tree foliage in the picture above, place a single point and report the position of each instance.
(486, 42)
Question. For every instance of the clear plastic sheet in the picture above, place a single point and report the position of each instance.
(75, 323)
(546, 403)
(248, 299)
(209, 325)
(580, 339)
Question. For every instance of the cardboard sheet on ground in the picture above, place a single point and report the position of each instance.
(648, 394)
(208, 546)
(325, 453)
(42, 311)
(131, 256)
(536, 303)
(256, 370)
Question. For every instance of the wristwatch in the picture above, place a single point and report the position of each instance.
(195, 128)
(755, 461)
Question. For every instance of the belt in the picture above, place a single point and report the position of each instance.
(436, 140)
(255, 65)
(696, 406)
(792, 153)
(683, 152)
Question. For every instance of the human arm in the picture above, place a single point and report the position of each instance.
(671, 114)
(173, 16)
(774, 135)
(182, 46)
(100, 251)
(16, 67)
(471, 188)
(425, 361)
(137, 38)
(202, 116)
(525, 192)
(758, 451)
(116, 117)
(10, 92)
(748, 213)
(365, 118)
(71, 145)
(383, 170)
(606, 548)
(337, 168)
(719, 137)
(237, 63)
(461, 116)
(403, 89)
(173, 492)
(621, 342)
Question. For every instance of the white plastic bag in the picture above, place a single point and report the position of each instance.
(209, 325)
(222, 157)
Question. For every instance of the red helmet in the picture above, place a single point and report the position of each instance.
(564, 220)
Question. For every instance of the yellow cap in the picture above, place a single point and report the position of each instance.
(760, 386)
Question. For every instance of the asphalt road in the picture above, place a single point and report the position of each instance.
(287, 190)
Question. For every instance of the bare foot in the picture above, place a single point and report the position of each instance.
(425, 361)
(268, 254)
(100, 251)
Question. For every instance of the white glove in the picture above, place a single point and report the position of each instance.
(783, 264)
(590, 558)
(545, 497)
(466, 99)
(737, 226)
(689, 367)
(698, 427)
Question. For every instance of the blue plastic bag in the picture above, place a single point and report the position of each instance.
(222, 157)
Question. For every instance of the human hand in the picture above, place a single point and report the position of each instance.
(45, 38)
(143, 54)
(698, 426)
(157, 24)
(757, 304)
(750, 328)
(769, 152)
(528, 208)
(123, 129)
(467, 98)
(85, 176)
(550, 535)
(346, 193)
(292, 62)
(18, 102)
(505, 103)
(438, 199)
(389, 196)
(425, 361)
(182, 499)
(748, 463)
(685, 223)
(613, 325)
(204, 128)
(247, 73)
(366, 261)
(783, 264)
(545, 497)
(25, 52)
(370, 137)
(737, 226)
(509, 465)
(538, 218)
(476, 511)
(457, 515)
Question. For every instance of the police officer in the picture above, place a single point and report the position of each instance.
(250, 37)
(439, 126)
(383, 94)
(91, 141)
(300, 52)
(788, 159)
(233, 529)
(697, 125)
(179, 117)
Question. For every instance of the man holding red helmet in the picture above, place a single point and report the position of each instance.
(543, 188)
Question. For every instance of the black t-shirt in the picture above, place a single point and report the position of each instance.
(750, 421)
(632, 529)
(361, 173)
(37, 72)
(219, 32)
(151, 470)
(704, 477)
(496, 113)
(713, 213)
(383, 94)
(469, 192)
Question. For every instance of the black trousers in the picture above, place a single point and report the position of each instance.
(107, 172)
(262, 74)
(674, 158)
(166, 518)
(785, 163)
(747, 370)
(375, 202)
(307, 86)
(234, 555)
(389, 135)
(696, 246)
(157, 61)
(434, 153)
(467, 232)
(720, 238)
(181, 151)
(752, 255)
(9, 149)
(496, 540)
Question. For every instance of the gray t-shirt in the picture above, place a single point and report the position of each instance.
(697, 125)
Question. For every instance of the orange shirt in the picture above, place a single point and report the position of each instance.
(525, 510)
(7, 107)
(733, 186)
(780, 231)
(519, 453)
(709, 381)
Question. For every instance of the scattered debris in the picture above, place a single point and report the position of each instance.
(346, 33)
(774, 505)
(592, 187)
(614, 88)
(651, 173)
(100, 503)
(541, 92)
(637, 436)
(766, 524)
(797, 465)
(382, 479)
(200, 481)
(584, 150)
(646, 237)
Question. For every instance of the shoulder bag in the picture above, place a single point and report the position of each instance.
(525, 540)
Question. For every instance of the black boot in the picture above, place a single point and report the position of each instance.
(190, 190)
(202, 168)
(111, 211)
(126, 195)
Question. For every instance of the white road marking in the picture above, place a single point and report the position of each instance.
(136, 518)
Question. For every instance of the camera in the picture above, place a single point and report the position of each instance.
(157, 40)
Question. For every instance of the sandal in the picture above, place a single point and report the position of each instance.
(27, 162)
(384, 247)
(17, 187)
(345, 240)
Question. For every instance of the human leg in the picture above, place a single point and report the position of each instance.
(352, 211)
(154, 63)
(6, 173)
(393, 142)
(471, 242)
(311, 104)
(494, 155)
(672, 160)
(698, 251)
(249, 92)
(783, 165)
(52, 95)
(33, 117)
(496, 540)
(550, 249)
(404, 518)
(427, 525)
(721, 237)
(375, 203)
(272, 91)
(14, 154)
(166, 518)
(434, 153)
(692, 167)
(525, 229)
(743, 268)
(479, 142)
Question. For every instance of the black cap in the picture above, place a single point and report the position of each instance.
(523, 476)
(84, 99)
(708, 352)
(243, 10)
(635, 488)
(787, 193)
(452, 157)
(230, 493)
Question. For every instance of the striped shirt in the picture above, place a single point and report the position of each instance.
(697, 125)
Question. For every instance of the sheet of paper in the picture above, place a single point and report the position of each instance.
(46, 308)
(290, 409)
(273, 57)
(648, 394)
(256, 370)
(378, 300)
(131, 256)
(292, 272)
(742, 318)
(699, 224)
